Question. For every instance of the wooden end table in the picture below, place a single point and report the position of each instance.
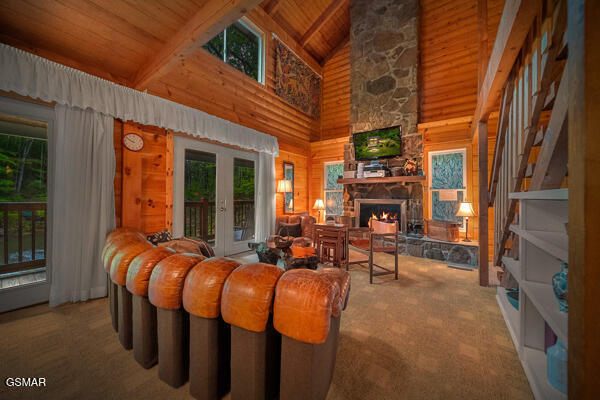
(331, 242)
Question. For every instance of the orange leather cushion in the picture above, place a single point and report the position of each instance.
(126, 252)
(141, 267)
(248, 296)
(166, 282)
(112, 235)
(303, 305)
(340, 278)
(115, 243)
(204, 285)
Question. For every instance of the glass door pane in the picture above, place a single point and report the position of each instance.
(200, 210)
(243, 199)
(23, 195)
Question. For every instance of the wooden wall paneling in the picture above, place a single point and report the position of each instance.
(118, 180)
(335, 119)
(300, 162)
(154, 179)
(207, 83)
(449, 56)
(208, 21)
(169, 159)
(321, 152)
(132, 183)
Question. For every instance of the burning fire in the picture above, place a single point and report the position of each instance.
(385, 216)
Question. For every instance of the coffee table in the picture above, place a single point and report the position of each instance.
(281, 253)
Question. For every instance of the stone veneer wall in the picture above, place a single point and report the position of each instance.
(383, 76)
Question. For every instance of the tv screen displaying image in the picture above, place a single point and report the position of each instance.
(380, 143)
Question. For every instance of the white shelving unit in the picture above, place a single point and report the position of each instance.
(543, 242)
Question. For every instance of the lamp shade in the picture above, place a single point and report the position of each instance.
(284, 186)
(319, 205)
(465, 210)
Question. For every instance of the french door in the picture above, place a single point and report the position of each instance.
(214, 194)
(26, 139)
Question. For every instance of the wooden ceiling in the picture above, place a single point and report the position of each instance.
(114, 39)
(318, 25)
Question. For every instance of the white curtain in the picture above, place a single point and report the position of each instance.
(265, 199)
(82, 210)
(34, 76)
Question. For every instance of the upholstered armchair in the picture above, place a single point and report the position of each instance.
(300, 225)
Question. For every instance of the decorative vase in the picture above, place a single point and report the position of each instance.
(557, 366)
(560, 286)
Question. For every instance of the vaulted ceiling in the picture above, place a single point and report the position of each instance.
(114, 39)
(318, 25)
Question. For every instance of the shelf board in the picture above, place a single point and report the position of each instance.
(536, 368)
(551, 194)
(514, 267)
(387, 179)
(555, 243)
(543, 298)
(511, 316)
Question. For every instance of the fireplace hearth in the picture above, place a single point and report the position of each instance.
(389, 210)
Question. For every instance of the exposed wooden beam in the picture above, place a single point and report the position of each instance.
(269, 24)
(322, 20)
(517, 17)
(272, 7)
(212, 18)
(484, 262)
(335, 50)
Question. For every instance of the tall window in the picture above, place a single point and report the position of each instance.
(241, 46)
(334, 192)
(448, 174)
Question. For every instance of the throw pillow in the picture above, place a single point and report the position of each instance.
(287, 229)
(160, 237)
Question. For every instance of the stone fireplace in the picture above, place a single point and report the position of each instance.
(389, 210)
(383, 76)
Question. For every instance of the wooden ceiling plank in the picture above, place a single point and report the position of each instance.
(272, 7)
(322, 20)
(213, 17)
(514, 26)
(335, 50)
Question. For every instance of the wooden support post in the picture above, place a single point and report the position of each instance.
(483, 204)
(131, 213)
(583, 38)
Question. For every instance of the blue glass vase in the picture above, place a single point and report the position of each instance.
(557, 366)
(560, 286)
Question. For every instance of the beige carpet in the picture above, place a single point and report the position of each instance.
(433, 334)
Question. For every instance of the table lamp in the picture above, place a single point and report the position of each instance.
(320, 206)
(466, 210)
(285, 186)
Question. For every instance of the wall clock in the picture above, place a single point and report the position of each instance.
(133, 142)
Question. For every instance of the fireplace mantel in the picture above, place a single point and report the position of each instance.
(387, 179)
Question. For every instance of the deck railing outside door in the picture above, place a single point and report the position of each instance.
(20, 221)
(199, 217)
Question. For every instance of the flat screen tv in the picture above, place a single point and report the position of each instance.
(380, 143)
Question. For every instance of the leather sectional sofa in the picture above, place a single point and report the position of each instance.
(252, 330)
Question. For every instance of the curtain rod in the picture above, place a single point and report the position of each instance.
(296, 54)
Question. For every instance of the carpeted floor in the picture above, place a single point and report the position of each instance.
(433, 334)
